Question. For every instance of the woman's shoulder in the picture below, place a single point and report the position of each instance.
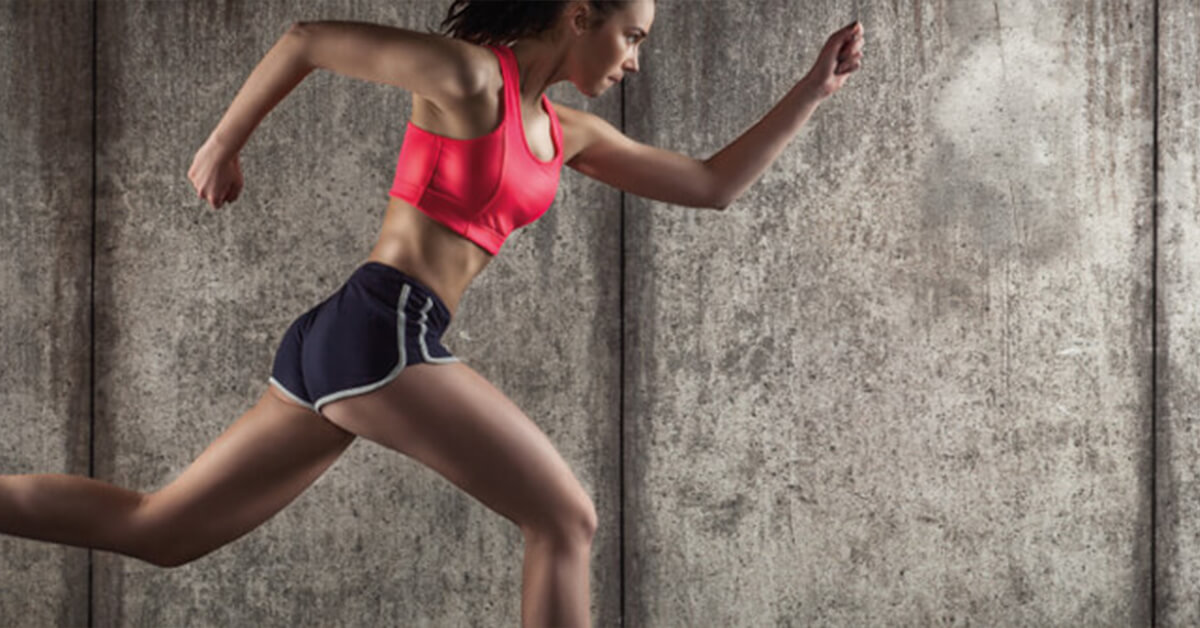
(483, 67)
(473, 113)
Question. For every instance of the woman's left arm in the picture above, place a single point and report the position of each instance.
(739, 164)
(602, 152)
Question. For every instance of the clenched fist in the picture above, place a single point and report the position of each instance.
(840, 57)
(216, 174)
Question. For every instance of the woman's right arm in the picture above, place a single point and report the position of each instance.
(434, 66)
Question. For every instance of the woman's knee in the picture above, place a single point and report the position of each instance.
(164, 541)
(571, 524)
(168, 557)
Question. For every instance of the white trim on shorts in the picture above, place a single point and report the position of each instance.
(400, 323)
(289, 394)
(421, 337)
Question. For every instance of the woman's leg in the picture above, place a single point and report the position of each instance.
(454, 421)
(254, 469)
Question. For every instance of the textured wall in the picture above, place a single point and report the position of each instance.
(45, 279)
(908, 377)
(1178, 532)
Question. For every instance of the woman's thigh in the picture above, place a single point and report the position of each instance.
(259, 464)
(451, 419)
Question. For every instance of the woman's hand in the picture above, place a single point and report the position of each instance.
(216, 174)
(838, 59)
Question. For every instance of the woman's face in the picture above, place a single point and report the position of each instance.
(610, 50)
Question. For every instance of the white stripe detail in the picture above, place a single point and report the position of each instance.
(334, 396)
(290, 395)
(421, 338)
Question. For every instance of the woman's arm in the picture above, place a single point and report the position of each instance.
(434, 66)
(739, 164)
(599, 150)
(215, 171)
(280, 71)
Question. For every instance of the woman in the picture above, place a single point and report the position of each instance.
(481, 157)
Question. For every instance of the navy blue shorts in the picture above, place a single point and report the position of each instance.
(360, 338)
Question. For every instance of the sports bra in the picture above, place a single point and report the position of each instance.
(485, 187)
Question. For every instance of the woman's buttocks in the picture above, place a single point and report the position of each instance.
(429, 252)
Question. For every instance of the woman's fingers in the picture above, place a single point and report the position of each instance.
(851, 32)
(225, 196)
(850, 57)
(846, 42)
(216, 181)
(853, 46)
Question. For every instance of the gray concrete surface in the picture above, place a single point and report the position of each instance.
(906, 379)
(45, 277)
(1178, 529)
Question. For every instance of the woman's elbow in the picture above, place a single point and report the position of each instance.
(298, 38)
(718, 200)
(298, 28)
(301, 30)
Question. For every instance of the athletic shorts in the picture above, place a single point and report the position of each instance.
(360, 338)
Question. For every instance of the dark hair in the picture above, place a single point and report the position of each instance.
(499, 22)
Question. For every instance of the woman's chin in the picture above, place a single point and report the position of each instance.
(592, 91)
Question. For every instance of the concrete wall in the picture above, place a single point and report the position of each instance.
(909, 377)
(911, 369)
(46, 280)
(1177, 533)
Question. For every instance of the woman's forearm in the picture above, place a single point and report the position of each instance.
(739, 164)
(281, 69)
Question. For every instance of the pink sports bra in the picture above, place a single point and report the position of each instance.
(484, 187)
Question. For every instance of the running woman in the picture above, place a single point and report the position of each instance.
(481, 157)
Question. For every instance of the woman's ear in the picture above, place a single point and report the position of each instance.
(578, 14)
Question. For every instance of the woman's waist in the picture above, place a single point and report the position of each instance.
(445, 262)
